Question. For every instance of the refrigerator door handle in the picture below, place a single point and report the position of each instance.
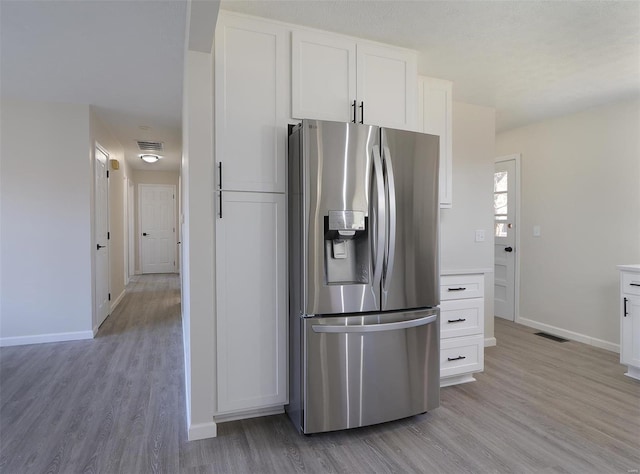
(390, 188)
(380, 219)
(318, 328)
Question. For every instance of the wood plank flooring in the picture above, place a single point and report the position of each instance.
(116, 405)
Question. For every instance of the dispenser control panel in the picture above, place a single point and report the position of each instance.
(346, 220)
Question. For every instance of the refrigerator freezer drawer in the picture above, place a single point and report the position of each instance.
(363, 370)
(461, 355)
(453, 287)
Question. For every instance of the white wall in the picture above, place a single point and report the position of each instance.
(473, 163)
(45, 216)
(198, 285)
(581, 185)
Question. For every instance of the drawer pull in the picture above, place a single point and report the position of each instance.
(462, 288)
(459, 320)
(455, 358)
(634, 284)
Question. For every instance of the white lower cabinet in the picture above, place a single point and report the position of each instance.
(251, 302)
(630, 319)
(461, 328)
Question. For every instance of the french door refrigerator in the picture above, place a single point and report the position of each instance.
(364, 275)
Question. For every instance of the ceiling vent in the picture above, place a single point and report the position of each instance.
(155, 147)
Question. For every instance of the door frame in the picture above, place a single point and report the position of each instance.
(139, 221)
(94, 323)
(517, 157)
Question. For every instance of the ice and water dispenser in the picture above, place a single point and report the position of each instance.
(346, 247)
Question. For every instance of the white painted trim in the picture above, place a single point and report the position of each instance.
(456, 380)
(202, 431)
(490, 342)
(249, 414)
(574, 336)
(516, 300)
(45, 338)
(117, 301)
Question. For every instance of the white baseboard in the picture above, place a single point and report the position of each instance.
(117, 301)
(250, 414)
(574, 336)
(490, 341)
(202, 431)
(45, 338)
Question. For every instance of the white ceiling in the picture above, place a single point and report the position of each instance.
(123, 57)
(529, 59)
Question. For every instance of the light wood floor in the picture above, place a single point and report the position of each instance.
(116, 404)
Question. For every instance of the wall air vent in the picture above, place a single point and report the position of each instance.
(146, 146)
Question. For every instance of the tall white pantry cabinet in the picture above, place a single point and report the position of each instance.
(268, 75)
(251, 110)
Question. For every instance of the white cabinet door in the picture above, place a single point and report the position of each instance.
(435, 104)
(323, 84)
(387, 86)
(251, 318)
(251, 103)
(630, 331)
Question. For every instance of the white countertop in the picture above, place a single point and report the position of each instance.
(464, 271)
(630, 268)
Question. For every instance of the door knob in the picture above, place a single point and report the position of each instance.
(145, 234)
(508, 249)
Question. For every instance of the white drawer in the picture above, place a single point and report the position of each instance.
(453, 287)
(461, 355)
(461, 317)
(631, 283)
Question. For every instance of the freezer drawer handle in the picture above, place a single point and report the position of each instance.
(376, 327)
(450, 359)
(462, 288)
(459, 320)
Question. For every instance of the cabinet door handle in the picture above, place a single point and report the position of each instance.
(362, 112)
(634, 284)
(354, 111)
(462, 288)
(220, 174)
(220, 205)
(626, 313)
(455, 358)
(459, 320)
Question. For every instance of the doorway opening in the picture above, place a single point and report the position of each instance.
(506, 207)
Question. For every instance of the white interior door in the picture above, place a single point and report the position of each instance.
(157, 228)
(101, 223)
(504, 194)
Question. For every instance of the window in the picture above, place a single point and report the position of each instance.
(500, 202)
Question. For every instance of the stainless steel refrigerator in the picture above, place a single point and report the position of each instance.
(364, 275)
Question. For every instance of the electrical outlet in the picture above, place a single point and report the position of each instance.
(480, 235)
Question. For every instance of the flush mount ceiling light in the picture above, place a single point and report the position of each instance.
(150, 158)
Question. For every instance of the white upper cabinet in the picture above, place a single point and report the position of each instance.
(324, 76)
(251, 103)
(387, 86)
(435, 104)
(339, 78)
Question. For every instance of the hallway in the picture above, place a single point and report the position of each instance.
(112, 404)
